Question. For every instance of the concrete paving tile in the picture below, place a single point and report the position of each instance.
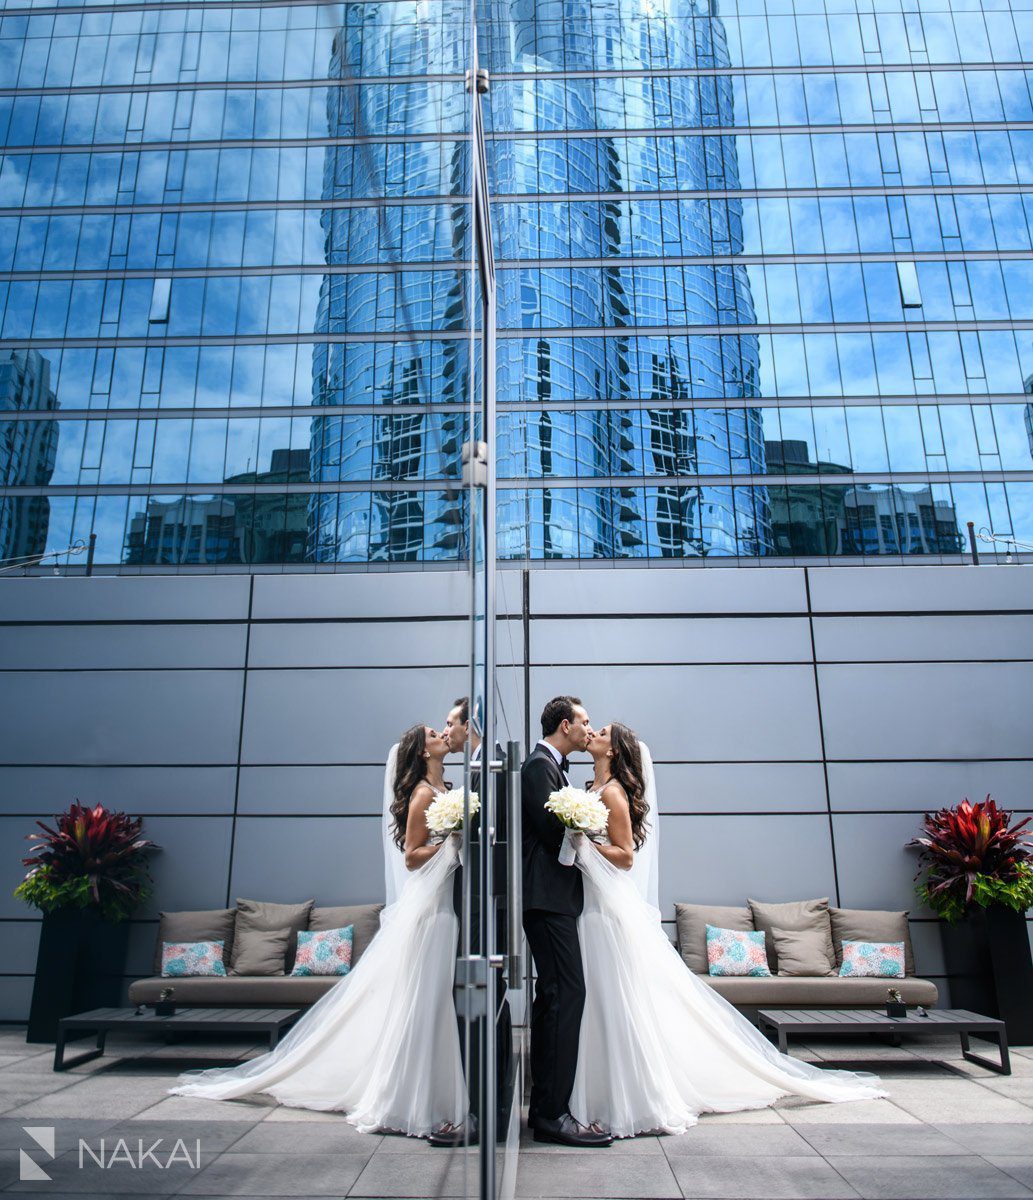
(305, 1137)
(645, 1144)
(765, 1141)
(959, 1101)
(114, 1100)
(595, 1173)
(444, 1174)
(283, 1112)
(792, 1178)
(935, 1177)
(1017, 1087)
(748, 1116)
(1018, 1166)
(850, 1112)
(911, 1139)
(164, 1107)
(989, 1139)
(281, 1175)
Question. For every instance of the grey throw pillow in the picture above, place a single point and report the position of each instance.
(692, 921)
(797, 914)
(200, 925)
(260, 914)
(363, 918)
(800, 951)
(871, 925)
(261, 951)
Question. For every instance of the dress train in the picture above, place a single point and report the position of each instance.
(658, 1046)
(382, 1045)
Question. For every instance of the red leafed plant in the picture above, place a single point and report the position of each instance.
(93, 858)
(973, 854)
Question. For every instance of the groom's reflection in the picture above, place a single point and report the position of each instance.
(460, 732)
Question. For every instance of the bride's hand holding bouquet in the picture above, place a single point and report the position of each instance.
(445, 814)
(579, 812)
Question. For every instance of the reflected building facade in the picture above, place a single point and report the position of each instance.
(764, 280)
(654, 425)
(28, 451)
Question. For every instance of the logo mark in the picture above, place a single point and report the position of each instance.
(28, 1168)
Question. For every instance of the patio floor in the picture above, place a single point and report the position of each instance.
(950, 1131)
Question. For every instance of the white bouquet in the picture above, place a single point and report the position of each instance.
(445, 813)
(580, 812)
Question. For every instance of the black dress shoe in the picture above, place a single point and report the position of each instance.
(451, 1136)
(567, 1132)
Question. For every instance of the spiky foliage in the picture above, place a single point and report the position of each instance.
(973, 855)
(93, 858)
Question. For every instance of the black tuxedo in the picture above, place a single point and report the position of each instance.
(547, 885)
(553, 900)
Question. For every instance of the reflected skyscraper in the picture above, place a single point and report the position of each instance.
(391, 438)
(28, 451)
(626, 287)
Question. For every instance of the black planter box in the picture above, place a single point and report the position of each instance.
(79, 966)
(990, 966)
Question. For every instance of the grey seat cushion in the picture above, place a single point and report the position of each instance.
(264, 915)
(871, 925)
(236, 991)
(197, 925)
(363, 918)
(824, 991)
(797, 914)
(692, 921)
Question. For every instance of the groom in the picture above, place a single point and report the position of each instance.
(553, 900)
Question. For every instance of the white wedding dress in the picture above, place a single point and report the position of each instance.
(382, 1045)
(658, 1046)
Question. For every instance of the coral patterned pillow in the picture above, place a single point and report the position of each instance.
(882, 959)
(324, 951)
(736, 952)
(179, 959)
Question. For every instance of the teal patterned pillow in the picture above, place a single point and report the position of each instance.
(736, 952)
(180, 959)
(884, 960)
(324, 951)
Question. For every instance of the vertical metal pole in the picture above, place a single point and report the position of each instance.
(515, 862)
(89, 553)
(489, 821)
(972, 543)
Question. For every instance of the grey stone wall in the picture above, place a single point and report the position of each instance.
(801, 720)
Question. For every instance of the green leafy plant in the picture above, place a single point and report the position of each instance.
(973, 855)
(93, 858)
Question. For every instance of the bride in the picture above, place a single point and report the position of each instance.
(657, 1045)
(382, 1045)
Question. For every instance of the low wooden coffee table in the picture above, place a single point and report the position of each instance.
(268, 1022)
(786, 1021)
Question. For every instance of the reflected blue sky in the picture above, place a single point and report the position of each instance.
(763, 285)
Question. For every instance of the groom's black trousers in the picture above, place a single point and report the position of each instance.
(559, 1000)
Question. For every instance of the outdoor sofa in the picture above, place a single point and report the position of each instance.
(823, 989)
(271, 985)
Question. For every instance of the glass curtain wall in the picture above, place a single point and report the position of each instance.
(763, 280)
(764, 277)
(236, 283)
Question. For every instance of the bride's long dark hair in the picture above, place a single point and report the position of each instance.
(410, 769)
(626, 768)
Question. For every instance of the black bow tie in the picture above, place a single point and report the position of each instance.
(565, 765)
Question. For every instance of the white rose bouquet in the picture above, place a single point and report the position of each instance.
(445, 813)
(580, 812)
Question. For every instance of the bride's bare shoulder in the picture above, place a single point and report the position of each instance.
(613, 795)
